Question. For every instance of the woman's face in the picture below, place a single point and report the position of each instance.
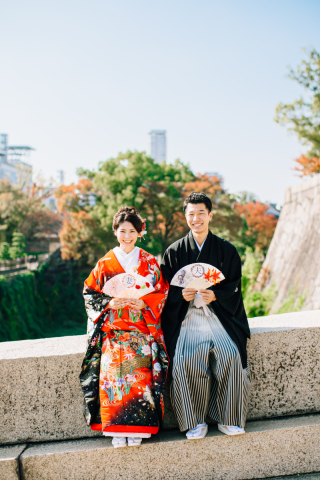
(127, 236)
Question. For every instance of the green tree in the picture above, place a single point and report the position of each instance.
(303, 115)
(18, 245)
(156, 190)
(24, 211)
(4, 251)
(13, 208)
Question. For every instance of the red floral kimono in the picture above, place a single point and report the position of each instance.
(125, 366)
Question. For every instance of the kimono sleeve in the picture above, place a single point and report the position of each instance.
(157, 299)
(96, 302)
(169, 267)
(228, 292)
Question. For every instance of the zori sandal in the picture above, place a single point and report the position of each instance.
(230, 430)
(134, 441)
(198, 432)
(119, 442)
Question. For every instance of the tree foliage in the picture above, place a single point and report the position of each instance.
(32, 306)
(158, 192)
(303, 115)
(258, 226)
(154, 189)
(81, 236)
(307, 165)
(18, 245)
(75, 197)
(24, 211)
(4, 251)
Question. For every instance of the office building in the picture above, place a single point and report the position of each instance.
(157, 145)
(12, 163)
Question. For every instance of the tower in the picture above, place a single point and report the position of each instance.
(12, 165)
(157, 145)
(3, 147)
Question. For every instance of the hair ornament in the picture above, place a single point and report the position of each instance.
(143, 228)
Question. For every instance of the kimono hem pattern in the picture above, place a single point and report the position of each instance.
(125, 365)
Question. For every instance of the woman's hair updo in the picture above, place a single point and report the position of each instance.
(127, 214)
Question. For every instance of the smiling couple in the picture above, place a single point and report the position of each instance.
(126, 362)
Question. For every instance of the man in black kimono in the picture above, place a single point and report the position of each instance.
(207, 347)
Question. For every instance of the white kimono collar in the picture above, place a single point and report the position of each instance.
(127, 260)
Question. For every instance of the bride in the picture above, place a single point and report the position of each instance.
(125, 365)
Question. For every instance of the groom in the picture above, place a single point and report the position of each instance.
(207, 346)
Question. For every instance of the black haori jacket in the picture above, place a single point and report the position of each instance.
(228, 307)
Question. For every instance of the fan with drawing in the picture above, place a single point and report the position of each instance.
(128, 285)
(198, 276)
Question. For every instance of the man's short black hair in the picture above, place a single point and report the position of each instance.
(195, 198)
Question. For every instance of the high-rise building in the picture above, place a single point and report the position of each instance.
(157, 145)
(12, 166)
(3, 147)
(60, 177)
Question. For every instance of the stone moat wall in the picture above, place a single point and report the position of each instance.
(293, 260)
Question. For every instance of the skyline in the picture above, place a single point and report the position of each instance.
(82, 83)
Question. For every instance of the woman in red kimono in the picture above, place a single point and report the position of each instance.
(125, 366)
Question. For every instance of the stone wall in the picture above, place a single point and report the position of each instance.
(293, 260)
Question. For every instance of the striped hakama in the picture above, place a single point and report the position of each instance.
(208, 376)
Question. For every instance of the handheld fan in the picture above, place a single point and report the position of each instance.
(128, 285)
(197, 275)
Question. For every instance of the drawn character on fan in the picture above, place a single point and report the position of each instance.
(181, 277)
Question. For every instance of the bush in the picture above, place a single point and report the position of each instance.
(258, 304)
(18, 246)
(293, 302)
(4, 251)
(32, 306)
(250, 269)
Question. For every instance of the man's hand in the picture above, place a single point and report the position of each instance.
(207, 295)
(117, 303)
(189, 294)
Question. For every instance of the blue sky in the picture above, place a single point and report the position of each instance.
(82, 81)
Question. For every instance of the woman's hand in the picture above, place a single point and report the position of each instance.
(189, 294)
(117, 303)
(207, 295)
(137, 304)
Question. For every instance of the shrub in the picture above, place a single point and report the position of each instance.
(4, 251)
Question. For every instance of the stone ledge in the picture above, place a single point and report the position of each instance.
(41, 400)
(9, 462)
(269, 448)
(307, 476)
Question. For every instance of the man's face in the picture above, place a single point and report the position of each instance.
(198, 217)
